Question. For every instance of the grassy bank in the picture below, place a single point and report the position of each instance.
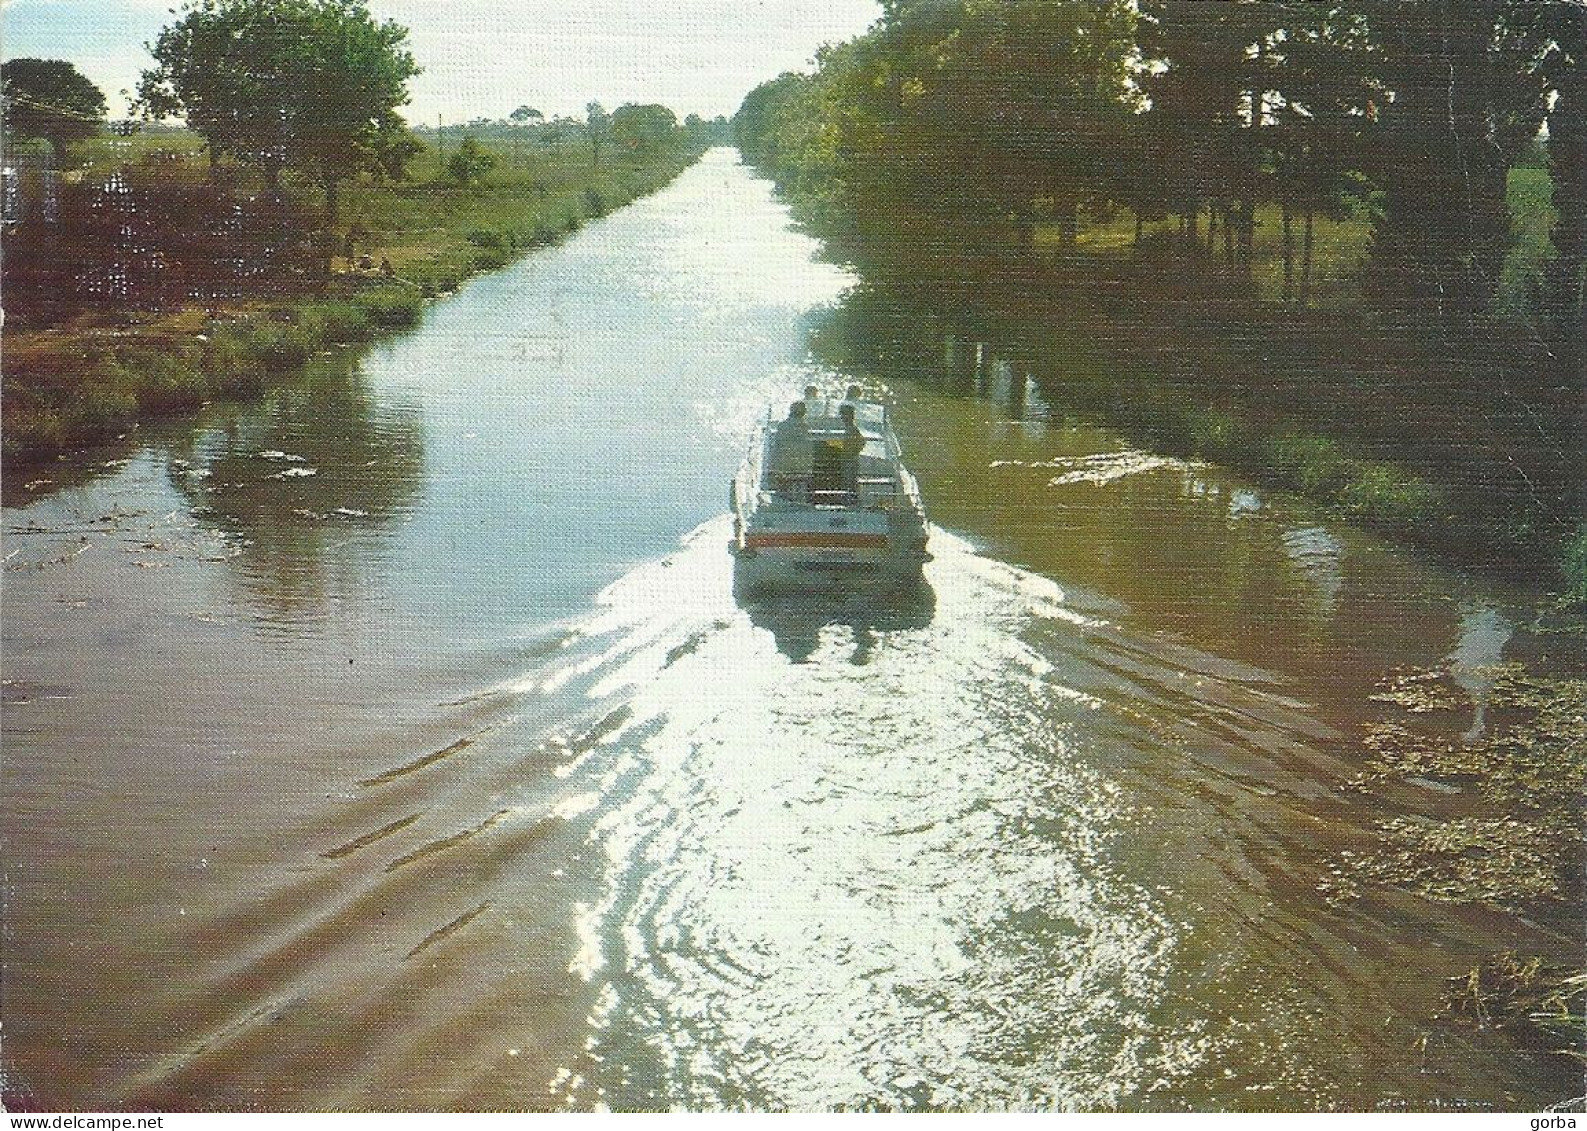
(435, 233)
(91, 374)
(82, 385)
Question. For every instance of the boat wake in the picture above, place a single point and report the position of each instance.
(847, 850)
(853, 860)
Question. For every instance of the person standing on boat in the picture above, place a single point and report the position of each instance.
(851, 446)
(790, 454)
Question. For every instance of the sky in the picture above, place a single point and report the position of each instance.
(484, 58)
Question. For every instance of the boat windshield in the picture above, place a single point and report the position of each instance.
(826, 415)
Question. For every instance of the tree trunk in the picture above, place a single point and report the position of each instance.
(1289, 254)
(1305, 263)
(332, 197)
(1068, 224)
(1248, 206)
(1567, 273)
(1138, 226)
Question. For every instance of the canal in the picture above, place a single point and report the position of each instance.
(396, 741)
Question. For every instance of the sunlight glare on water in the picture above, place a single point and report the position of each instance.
(745, 257)
(839, 881)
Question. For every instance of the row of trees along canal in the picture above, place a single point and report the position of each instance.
(1289, 175)
(148, 249)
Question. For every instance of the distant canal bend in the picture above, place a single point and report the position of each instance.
(397, 742)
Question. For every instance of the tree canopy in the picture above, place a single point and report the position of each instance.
(471, 162)
(642, 128)
(50, 99)
(1411, 112)
(308, 85)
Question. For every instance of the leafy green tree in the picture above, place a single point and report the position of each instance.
(1194, 58)
(472, 161)
(50, 99)
(526, 114)
(598, 127)
(308, 85)
(643, 128)
(1061, 101)
(762, 116)
(1017, 106)
(1323, 105)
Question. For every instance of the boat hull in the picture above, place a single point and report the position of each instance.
(820, 547)
(756, 572)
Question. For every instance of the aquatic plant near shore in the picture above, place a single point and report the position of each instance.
(1543, 1006)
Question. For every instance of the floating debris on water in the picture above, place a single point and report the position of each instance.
(1523, 790)
(1420, 692)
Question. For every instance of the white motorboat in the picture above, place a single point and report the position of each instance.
(823, 497)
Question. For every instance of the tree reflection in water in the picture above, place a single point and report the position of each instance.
(293, 475)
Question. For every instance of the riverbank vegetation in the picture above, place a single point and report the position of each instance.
(1330, 244)
(153, 268)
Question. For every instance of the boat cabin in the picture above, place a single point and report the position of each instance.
(821, 456)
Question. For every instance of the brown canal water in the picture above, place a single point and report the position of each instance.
(397, 742)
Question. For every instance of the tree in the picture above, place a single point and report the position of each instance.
(598, 125)
(525, 114)
(1468, 97)
(1323, 104)
(49, 99)
(642, 128)
(308, 85)
(1195, 56)
(763, 113)
(471, 162)
(1565, 66)
(1020, 105)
